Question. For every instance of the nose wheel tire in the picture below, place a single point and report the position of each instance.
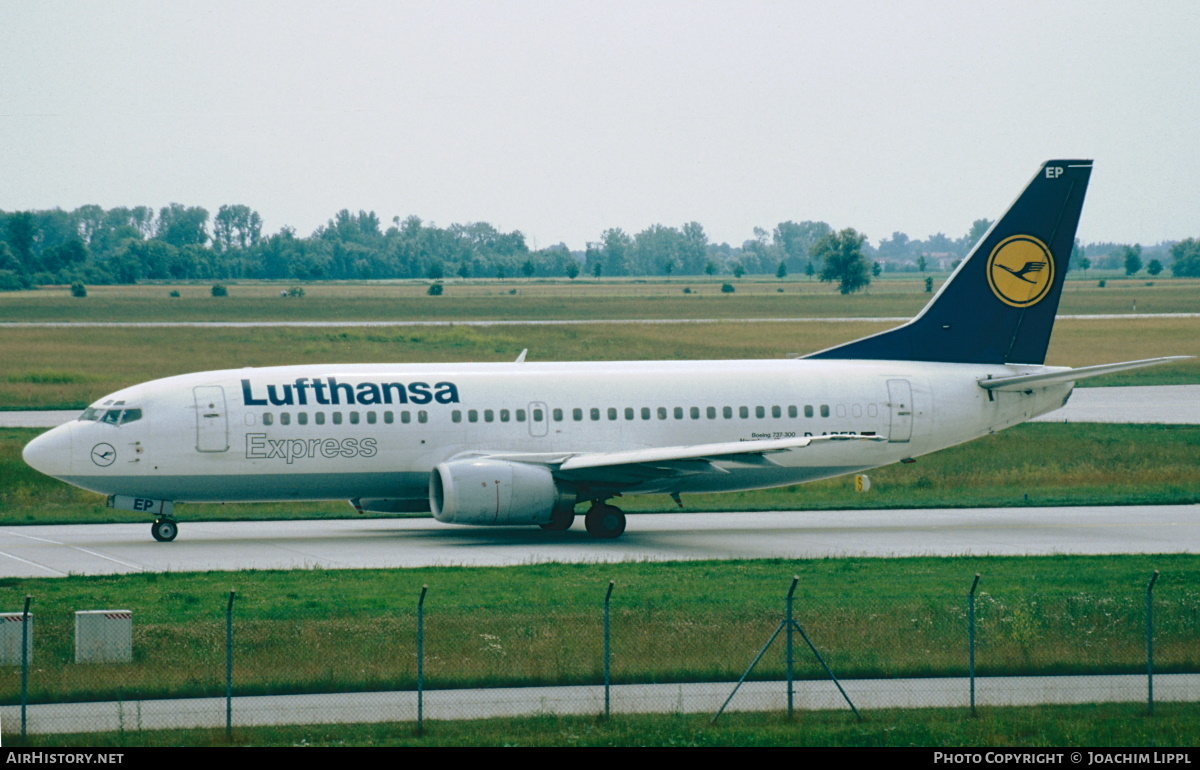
(605, 520)
(164, 530)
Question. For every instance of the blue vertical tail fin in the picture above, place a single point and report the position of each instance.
(999, 305)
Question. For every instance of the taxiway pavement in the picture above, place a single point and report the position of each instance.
(96, 549)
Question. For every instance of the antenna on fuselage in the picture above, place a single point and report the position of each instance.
(521, 358)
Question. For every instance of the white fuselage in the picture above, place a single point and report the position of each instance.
(377, 431)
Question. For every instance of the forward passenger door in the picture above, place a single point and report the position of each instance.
(212, 419)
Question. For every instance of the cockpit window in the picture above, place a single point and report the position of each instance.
(110, 416)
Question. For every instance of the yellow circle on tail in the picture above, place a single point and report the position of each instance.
(1020, 271)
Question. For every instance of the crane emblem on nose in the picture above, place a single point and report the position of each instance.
(104, 455)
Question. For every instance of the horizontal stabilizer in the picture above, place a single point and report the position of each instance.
(1045, 379)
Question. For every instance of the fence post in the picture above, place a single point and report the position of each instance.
(790, 656)
(971, 638)
(421, 661)
(1150, 644)
(229, 667)
(791, 623)
(25, 665)
(607, 652)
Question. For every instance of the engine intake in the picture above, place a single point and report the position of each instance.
(497, 492)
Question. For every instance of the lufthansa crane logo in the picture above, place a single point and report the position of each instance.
(1020, 271)
(103, 455)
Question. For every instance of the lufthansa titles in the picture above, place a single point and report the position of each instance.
(327, 391)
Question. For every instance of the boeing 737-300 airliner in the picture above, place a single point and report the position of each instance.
(525, 443)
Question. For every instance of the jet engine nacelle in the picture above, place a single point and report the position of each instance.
(482, 491)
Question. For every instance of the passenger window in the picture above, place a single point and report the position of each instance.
(371, 417)
(856, 410)
(504, 415)
(612, 413)
(337, 418)
(776, 412)
(792, 411)
(320, 418)
(489, 415)
(354, 418)
(841, 410)
(422, 416)
(557, 414)
(406, 417)
(872, 411)
(727, 412)
(679, 413)
(645, 413)
(388, 417)
(537, 415)
(760, 412)
(743, 412)
(521, 415)
(302, 418)
(577, 413)
(662, 413)
(455, 416)
(629, 413)
(695, 412)
(711, 412)
(472, 415)
(595, 413)
(808, 410)
(267, 418)
(824, 410)
(285, 418)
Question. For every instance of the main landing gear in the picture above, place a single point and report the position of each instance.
(604, 520)
(164, 530)
(560, 521)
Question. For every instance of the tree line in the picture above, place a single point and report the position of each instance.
(126, 245)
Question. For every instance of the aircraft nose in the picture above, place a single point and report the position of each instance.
(50, 452)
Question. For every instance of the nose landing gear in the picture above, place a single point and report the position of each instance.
(164, 530)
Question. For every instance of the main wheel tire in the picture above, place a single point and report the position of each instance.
(605, 521)
(164, 530)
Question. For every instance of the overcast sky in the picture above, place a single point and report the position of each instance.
(562, 119)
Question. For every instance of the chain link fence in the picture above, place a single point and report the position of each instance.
(232, 661)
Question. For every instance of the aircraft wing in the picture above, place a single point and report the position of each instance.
(1045, 379)
(653, 469)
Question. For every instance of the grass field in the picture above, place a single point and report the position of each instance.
(355, 630)
(48, 368)
(1033, 464)
(70, 367)
(545, 300)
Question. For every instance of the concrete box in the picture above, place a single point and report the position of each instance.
(10, 638)
(103, 636)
